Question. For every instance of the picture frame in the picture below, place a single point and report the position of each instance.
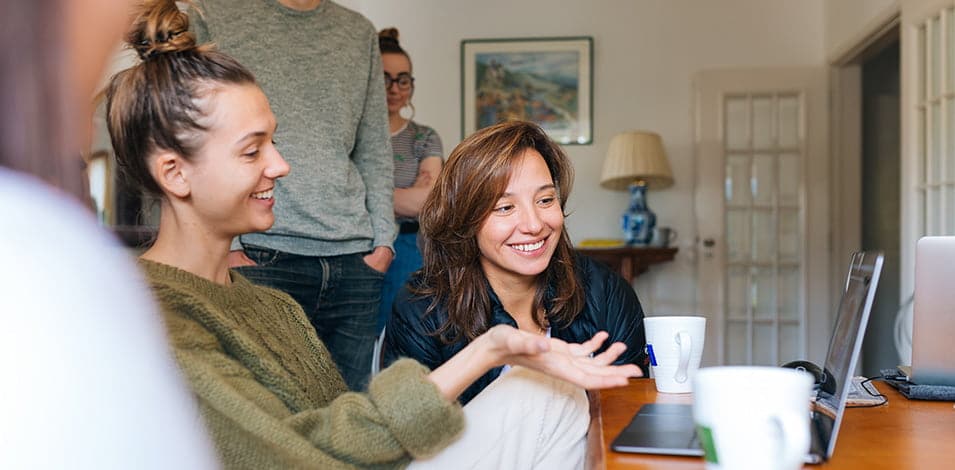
(548, 81)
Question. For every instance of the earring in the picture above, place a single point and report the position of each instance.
(407, 111)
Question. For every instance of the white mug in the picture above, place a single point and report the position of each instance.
(663, 236)
(751, 417)
(675, 348)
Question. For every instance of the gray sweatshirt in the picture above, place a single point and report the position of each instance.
(321, 71)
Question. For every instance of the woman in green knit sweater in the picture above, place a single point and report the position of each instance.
(190, 125)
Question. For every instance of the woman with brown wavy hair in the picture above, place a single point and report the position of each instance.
(496, 252)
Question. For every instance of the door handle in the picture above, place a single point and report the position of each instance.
(708, 246)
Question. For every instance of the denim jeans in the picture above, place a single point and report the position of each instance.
(340, 296)
(407, 260)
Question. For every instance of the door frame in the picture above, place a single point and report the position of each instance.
(845, 84)
(814, 294)
(912, 220)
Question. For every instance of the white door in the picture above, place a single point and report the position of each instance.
(762, 214)
(928, 134)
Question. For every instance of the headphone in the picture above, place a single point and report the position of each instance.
(821, 377)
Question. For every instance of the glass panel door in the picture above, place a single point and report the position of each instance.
(761, 204)
(764, 155)
(935, 111)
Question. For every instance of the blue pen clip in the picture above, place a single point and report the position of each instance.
(653, 359)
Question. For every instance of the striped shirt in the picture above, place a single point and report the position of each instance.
(412, 144)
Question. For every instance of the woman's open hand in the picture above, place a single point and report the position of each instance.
(573, 362)
(505, 344)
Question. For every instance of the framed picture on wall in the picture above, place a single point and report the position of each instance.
(545, 80)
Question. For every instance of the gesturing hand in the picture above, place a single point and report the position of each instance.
(505, 344)
(572, 362)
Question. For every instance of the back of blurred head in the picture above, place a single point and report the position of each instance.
(92, 383)
(53, 57)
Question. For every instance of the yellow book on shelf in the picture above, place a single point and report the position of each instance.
(601, 243)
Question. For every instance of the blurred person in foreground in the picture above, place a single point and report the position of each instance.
(89, 382)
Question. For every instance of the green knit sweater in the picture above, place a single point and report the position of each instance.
(270, 394)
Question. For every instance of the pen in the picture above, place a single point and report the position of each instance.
(653, 359)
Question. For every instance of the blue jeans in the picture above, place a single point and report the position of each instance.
(340, 296)
(407, 260)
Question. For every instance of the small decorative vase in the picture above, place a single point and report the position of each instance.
(638, 220)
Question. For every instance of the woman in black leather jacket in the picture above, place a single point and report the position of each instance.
(496, 252)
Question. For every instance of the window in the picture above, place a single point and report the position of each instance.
(935, 129)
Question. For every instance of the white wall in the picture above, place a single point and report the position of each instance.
(847, 21)
(645, 55)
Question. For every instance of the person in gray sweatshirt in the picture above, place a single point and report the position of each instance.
(320, 68)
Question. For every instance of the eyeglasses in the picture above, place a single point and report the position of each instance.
(404, 81)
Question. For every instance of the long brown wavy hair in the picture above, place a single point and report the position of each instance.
(472, 180)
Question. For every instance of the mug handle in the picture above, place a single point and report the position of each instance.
(672, 237)
(686, 345)
(793, 438)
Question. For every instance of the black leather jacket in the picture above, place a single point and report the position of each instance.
(611, 306)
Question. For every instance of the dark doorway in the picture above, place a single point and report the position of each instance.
(881, 198)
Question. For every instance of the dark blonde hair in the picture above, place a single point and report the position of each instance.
(473, 179)
(37, 134)
(155, 105)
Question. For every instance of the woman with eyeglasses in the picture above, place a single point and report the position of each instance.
(418, 159)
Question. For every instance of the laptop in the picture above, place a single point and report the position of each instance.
(933, 313)
(668, 429)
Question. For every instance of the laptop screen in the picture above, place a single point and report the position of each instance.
(845, 345)
(933, 321)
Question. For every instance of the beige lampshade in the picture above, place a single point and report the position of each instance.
(636, 156)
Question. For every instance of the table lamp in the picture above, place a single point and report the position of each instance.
(636, 161)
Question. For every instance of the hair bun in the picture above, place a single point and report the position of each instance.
(389, 34)
(147, 48)
(160, 28)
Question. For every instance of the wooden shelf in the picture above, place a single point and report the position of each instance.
(630, 261)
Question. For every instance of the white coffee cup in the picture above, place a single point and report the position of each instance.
(675, 347)
(752, 417)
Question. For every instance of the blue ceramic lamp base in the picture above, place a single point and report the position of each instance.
(638, 220)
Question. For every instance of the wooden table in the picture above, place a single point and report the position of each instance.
(900, 434)
(629, 261)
